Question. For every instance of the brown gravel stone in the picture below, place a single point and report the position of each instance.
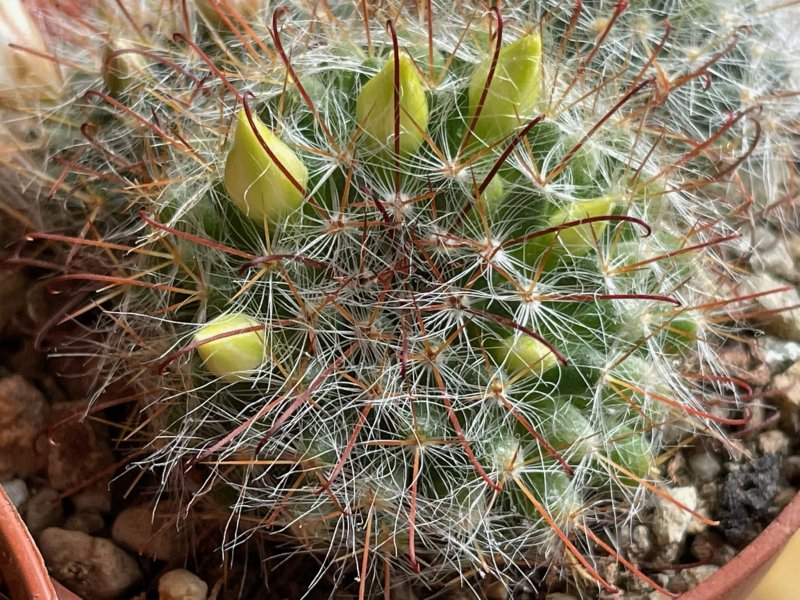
(776, 320)
(77, 451)
(688, 579)
(92, 567)
(746, 362)
(23, 414)
(135, 529)
(774, 442)
(787, 384)
(87, 522)
(44, 510)
(775, 254)
(786, 396)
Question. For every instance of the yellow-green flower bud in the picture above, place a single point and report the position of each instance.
(491, 199)
(211, 9)
(632, 452)
(234, 357)
(122, 71)
(255, 183)
(579, 240)
(553, 489)
(681, 334)
(24, 75)
(567, 428)
(522, 353)
(513, 92)
(375, 108)
(493, 194)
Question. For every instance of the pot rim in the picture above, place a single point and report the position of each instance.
(736, 579)
(21, 563)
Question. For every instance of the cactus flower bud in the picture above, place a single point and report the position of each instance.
(579, 240)
(567, 428)
(491, 199)
(681, 333)
(553, 489)
(375, 108)
(122, 71)
(632, 452)
(493, 194)
(236, 356)
(523, 353)
(24, 74)
(513, 92)
(255, 183)
(212, 11)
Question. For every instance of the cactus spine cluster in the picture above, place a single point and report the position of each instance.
(422, 286)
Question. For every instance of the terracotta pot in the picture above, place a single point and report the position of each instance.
(737, 579)
(20, 562)
(21, 565)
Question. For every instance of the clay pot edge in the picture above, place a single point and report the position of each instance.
(736, 579)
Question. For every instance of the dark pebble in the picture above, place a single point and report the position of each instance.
(747, 497)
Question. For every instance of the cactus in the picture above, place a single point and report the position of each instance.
(423, 288)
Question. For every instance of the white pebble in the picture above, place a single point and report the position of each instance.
(17, 491)
(671, 521)
(774, 442)
(181, 584)
(705, 465)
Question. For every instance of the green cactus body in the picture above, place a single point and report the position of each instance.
(460, 343)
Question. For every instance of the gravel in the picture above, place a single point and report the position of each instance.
(747, 497)
(705, 465)
(136, 530)
(23, 415)
(181, 584)
(92, 567)
(17, 491)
